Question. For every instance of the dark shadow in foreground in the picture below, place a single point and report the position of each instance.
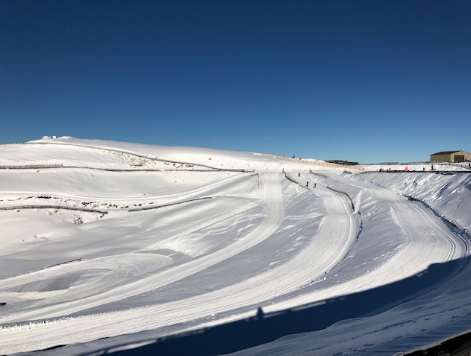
(457, 346)
(264, 328)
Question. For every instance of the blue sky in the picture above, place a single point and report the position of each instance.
(369, 81)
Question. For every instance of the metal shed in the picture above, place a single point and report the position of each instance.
(450, 156)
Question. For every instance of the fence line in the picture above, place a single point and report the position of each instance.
(316, 163)
(104, 148)
(295, 182)
(342, 192)
(31, 166)
(165, 205)
(58, 207)
(40, 166)
(412, 171)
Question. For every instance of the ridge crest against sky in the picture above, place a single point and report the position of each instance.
(364, 81)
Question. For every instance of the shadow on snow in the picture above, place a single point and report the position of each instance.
(264, 328)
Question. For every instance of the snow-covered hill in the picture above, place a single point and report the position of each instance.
(134, 242)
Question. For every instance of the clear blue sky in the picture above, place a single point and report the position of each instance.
(368, 81)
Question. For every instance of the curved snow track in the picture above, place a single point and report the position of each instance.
(246, 219)
(427, 240)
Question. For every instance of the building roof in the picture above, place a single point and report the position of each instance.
(445, 152)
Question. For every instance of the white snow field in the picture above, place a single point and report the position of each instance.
(133, 242)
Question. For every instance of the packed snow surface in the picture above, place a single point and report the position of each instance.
(105, 239)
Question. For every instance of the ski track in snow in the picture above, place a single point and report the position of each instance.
(122, 277)
(273, 199)
(423, 232)
(337, 231)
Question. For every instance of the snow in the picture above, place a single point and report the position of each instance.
(134, 242)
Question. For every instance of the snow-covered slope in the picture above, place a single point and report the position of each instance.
(108, 239)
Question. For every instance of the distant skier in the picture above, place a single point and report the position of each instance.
(315, 185)
(307, 184)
